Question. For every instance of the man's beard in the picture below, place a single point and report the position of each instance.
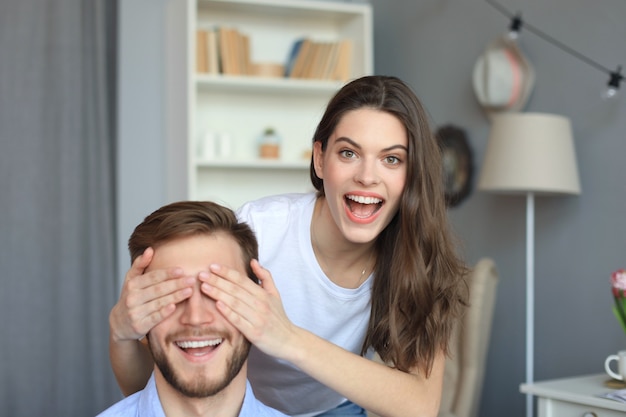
(200, 386)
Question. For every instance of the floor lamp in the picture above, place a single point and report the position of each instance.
(530, 154)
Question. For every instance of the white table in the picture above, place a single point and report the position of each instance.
(576, 397)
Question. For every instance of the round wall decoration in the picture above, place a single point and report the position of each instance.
(457, 163)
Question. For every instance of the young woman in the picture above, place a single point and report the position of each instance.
(364, 265)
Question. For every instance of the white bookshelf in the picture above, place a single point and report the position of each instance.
(241, 107)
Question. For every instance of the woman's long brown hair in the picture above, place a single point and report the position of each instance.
(419, 287)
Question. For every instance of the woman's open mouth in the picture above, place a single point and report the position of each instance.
(362, 207)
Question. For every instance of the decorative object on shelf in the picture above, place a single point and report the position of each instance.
(267, 69)
(458, 166)
(618, 287)
(615, 77)
(307, 154)
(530, 153)
(207, 146)
(269, 144)
(224, 145)
(503, 77)
(212, 145)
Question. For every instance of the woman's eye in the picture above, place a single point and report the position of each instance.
(346, 153)
(392, 160)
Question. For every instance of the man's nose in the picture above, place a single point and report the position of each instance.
(198, 309)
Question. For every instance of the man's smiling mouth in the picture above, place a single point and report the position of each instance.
(199, 347)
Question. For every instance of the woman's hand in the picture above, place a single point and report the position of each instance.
(255, 310)
(147, 298)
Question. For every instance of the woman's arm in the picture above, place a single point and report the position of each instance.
(258, 313)
(131, 363)
(373, 386)
(145, 300)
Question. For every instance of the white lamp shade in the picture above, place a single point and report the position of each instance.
(530, 152)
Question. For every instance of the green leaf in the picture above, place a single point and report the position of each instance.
(621, 317)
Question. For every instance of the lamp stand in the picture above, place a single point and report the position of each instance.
(530, 295)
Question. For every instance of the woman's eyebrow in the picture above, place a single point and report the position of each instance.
(356, 145)
(350, 141)
(391, 148)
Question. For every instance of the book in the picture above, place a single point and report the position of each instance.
(331, 63)
(201, 48)
(312, 64)
(293, 55)
(213, 60)
(245, 66)
(323, 69)
(234, 50)
(232, 44)
(302, 59)
(224, 50)
(315, 70)
(343, 65)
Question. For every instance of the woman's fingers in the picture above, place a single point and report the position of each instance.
(153, 285)
(255, 310)
(146, 307)
(267, 282)
(147, 298)
(234, 291)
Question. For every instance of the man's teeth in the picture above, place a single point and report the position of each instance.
(194, 344)
(364, 200)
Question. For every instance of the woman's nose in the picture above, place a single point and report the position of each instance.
(367, 173)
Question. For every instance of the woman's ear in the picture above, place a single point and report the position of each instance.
(318, 159)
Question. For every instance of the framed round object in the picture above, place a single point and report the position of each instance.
(457, 164)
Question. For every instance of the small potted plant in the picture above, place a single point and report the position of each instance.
(269, 144)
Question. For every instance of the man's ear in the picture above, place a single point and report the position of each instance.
(318, 159)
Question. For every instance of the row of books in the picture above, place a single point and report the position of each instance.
(320, 60)
(226, 51)
(222, 51)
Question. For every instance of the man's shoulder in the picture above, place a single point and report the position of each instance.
(124, 408)
(263, 411)
(255, 408)
(142, 403)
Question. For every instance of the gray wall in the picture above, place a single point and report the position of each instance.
(151, 158)
(141, 178)
(579, 241)
(433, 45)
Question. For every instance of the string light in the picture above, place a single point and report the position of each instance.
(613, 85)
(615, 77)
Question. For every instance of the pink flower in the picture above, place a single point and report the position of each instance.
(618, 287)
(618, 279)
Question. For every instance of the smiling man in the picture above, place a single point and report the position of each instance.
(200, 358)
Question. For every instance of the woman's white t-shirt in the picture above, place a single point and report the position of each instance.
(282, 227)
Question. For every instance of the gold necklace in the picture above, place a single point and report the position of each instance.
(361, 277)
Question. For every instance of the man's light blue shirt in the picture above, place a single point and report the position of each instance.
(146, 403)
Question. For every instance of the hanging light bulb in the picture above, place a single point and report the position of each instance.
(612, 87)
(515, 27)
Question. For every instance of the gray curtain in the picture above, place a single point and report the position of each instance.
(57, 257)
